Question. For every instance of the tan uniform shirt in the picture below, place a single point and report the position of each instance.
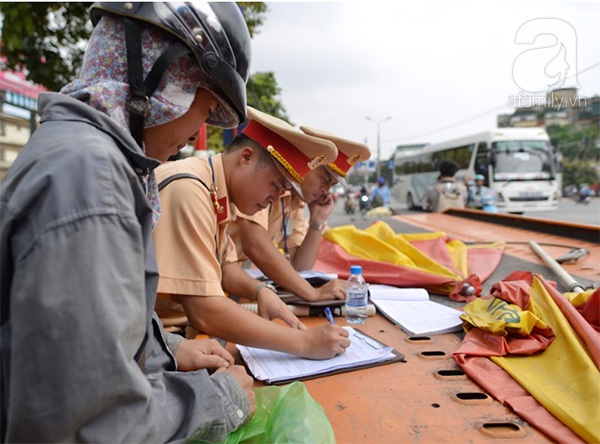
(191, 239)
(272, 219)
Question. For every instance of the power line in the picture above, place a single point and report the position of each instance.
(462, 122)
(595, 65)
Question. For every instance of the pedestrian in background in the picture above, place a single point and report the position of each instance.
(482, 197)
(447, 192)
(381, 195)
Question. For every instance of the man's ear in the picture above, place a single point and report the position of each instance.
(247, 156)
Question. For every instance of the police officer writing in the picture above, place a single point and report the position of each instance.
(197, 260)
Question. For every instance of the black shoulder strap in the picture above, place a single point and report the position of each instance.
(170, 179)
(177, 176)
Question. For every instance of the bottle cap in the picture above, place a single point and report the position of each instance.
(355, 269)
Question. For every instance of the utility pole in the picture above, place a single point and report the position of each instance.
(378, 123)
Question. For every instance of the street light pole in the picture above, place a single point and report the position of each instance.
(378, 123)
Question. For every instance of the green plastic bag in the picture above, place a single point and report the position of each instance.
(285, 414)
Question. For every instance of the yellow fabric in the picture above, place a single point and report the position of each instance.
(500, 317)
(379, 242)
(458, 253)
(563, 378)
(379, 212)
(578, 299)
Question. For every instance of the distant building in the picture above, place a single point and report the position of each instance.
(559, 107)
(18, 114)
(590, 114)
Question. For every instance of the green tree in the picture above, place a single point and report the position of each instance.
(254, 14)
(45, 40)
(579, 154)
(263, 94)
(575, 144)
(576, 172)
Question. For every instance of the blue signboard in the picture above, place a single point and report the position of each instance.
(20, 100)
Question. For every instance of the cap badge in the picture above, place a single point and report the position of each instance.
(353, 159)
(316, 161)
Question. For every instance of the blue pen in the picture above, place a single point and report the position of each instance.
(329, 315)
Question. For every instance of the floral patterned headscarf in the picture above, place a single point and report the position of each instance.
(103, 83)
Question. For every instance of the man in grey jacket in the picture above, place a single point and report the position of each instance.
(83, 358)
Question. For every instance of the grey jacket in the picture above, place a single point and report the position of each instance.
(77, 289)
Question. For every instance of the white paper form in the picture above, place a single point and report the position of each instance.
(274, 366)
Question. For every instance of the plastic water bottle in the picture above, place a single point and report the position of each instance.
(356, 296)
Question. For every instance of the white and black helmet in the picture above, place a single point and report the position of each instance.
(214, 32)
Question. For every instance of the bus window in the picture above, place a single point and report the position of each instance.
(425, 163)
(462, 156)
(482, 159)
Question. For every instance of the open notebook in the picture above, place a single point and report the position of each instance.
(412, 310)
(276, 367)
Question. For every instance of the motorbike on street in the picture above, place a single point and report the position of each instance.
(585, 200)
(364, 203)
(490, 207)
(584, 195)
(482, 198)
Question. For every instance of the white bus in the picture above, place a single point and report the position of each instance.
(520, 164)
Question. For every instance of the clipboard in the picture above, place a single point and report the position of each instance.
(397, 357)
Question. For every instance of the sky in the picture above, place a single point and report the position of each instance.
(438, 70)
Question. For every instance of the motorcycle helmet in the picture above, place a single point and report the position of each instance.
(215, 33)
(479, 177)
(381, 180)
